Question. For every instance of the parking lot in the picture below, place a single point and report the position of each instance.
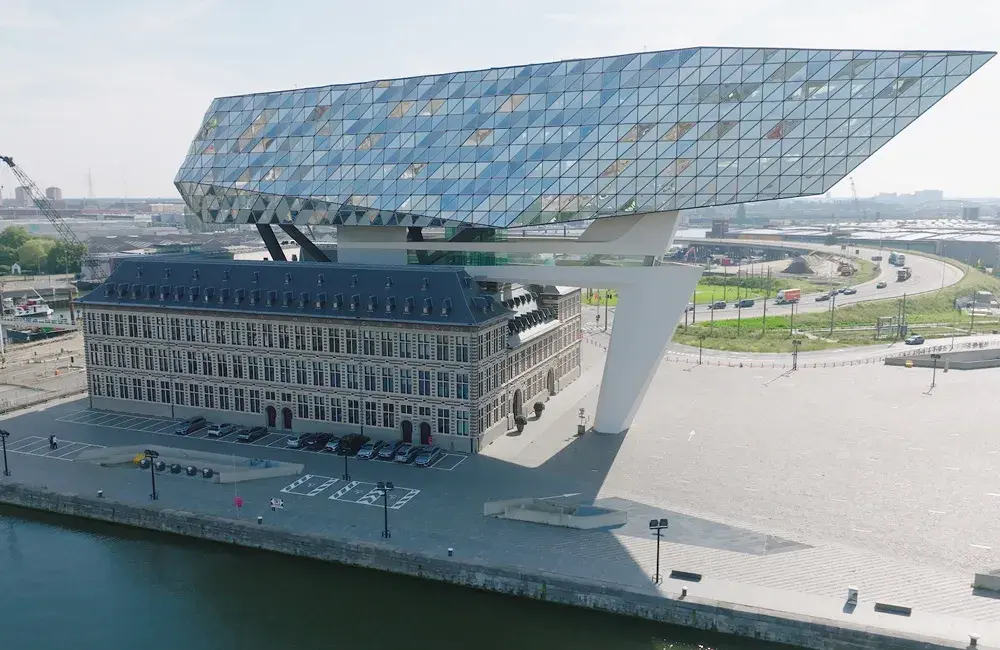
(165, 426)
(362, 492)
(39, 446)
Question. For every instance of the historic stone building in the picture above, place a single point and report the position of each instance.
(399, 352)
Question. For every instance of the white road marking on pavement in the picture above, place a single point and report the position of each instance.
(861, 530)
(750, 489)
(915, 448)
(937, 512)
(993, 494)
(982, 546)
(691, 435)
(838, 499)
(403, 500)
(954, 469)
(320, 488)
(297, 483)
(562, 496)
(344, 490)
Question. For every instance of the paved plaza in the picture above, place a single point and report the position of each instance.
(781, 488)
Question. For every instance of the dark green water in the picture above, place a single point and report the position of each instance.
(79, 585)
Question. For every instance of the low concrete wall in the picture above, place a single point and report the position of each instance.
(717, 616)
(554, 514)
(987, 581)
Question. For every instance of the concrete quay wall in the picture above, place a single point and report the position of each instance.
(693, 612)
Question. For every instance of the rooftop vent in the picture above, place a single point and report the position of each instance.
(424, 284)
(388, 281)
(372, 303)
(164, 291)
(272, 298)
(256, 277)
(209, 294)
(179, 292)
(355, 302)
(288, 278)
(194, 293)
(287, 298)
(194, 274)
(320, 299)
(303, 299)
(338, 301)
(223, 295)
(319, 279)
(138, 270)
(354, 280)
(446, 307)
(428, 306)
(390, 304)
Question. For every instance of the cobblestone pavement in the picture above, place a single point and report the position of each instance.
(782, 489)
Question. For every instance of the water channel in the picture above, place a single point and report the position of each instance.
(67, 583)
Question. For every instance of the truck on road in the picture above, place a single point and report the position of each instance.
(904, 274)
(787, 296)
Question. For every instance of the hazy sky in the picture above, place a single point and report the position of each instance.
(120, 88)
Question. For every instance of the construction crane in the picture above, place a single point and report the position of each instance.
(857, 204)
(42, 203)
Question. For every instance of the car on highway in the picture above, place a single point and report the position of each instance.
(914, 339)
(823, 296)
(389, 449)
(252, 434)
(298, 442)
(841, 290)
(223, 430)
(428, 456)
(370, 449)
(332, 444)
(408, 453)
(718, 304)
(850, 291)
(881, 285)
(317, 441)
(190, 425)
(744, 303)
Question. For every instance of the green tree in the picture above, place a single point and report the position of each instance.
(34, 253)
(64, 257)
(14, 237)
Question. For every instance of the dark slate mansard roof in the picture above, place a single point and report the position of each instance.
(397, 294)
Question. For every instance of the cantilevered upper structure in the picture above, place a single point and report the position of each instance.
(623, 142)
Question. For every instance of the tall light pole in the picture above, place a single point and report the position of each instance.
(607, 299)
(833, 306)
(934, 371)
(151, 455)
(795, 353)
(3, 441)
(386, 487)
(658, 526)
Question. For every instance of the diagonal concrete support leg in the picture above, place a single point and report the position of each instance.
(646, 316)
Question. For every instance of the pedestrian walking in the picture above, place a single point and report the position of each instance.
(53, 443)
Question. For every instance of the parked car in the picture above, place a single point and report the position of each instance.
(841, 290)
(252, 434)
(388, 450)
(850, 291)
(428, 456)
(332, 444)
(222, 430)
(915, 339)
(744, 303)
(370, 450)
(408, 453)
(881, 285)
(718, 304)
(823, 296)
(317, 441)
(351, 443)
(191, 425)
(299, 442)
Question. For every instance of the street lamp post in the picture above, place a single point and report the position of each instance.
(386, 487)
(347, 477)
(151, 455)
(658, 526)
(3, 441)
(795, 353)
(935, 357)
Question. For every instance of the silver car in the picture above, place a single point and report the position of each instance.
(428, 456)
(407, 453)
(370, 449)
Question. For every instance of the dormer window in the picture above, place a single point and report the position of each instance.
(179, 294)
(272, 298)
(194, 293)
(408, 306)
(319, 280)
(388, 282)
(355, 302)
(303, 299)
(288, 278)
(164, 291)
(354, 280)
(223, 295)
(372, 303)
(390, 304)
(150, 291)
(446, 307)
(428, 306)
(424, 284)
(254, 296)
(338, 301)
(109, 290)
(287, 298)
(320, 300)
(209, 293)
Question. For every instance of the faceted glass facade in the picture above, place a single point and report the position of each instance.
(562, 141)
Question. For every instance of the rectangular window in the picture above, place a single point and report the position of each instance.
(137, 388)
(209, 397)
(371, 414)
(165, 392)
(220, 332)
(284, 337)
(352, 377)
(370, 379)
(268, 370)
(203, 330)
(254, 400)
(424, 382)
(164, 364)
(300, 337)
(301, 374)
(442, 385)
(368, 339)
(119, 325)
(406, 381)
(406, 346)
(285, 371)
(352, 341)
(194, 395)
(175, 329)
(179, 394)
(224, 398)
(462, 386)
(237, 367)
(336, 410)
(386, 380)
(253, 335)
(253, 368)
(319, 407)
(423, 347)
(406, 409)
(316, 334)
(462, 349)
(389, 416)
(206, 363)
(442, 347)
(462, 422)
(444, 421)
(134, 353)
(120, 352)
(303, 406)
(317, 368)
(151, 390)
(335, 375)
(239, 399)
(133, 326)
(353, 412)
(334, 340)
(267, 335)
(385, 343)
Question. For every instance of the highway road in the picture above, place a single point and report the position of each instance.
(928, 275)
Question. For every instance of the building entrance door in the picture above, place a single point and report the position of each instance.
(286, 418)
(550, 381)
(518, 406)
(425, 433)
(407, 431)
(272, 417)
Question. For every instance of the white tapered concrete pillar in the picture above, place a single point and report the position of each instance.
(645, 319)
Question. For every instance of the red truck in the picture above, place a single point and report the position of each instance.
(788, 296)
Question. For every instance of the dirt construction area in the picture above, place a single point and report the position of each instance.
(32, 373)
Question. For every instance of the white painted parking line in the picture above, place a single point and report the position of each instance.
(370, 498)
(322, 488)
(268, 439)
(297, 483)
(37, 446)
(280, 442)
(403, 500)
(344, 490)
(153, 425)
(67, 449)
(34, 440)
(449, 462)
(103, 419)
(166, 427)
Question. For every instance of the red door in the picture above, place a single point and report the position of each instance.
(407, 431)
(286, 418)
(425, 433)
(272, 416)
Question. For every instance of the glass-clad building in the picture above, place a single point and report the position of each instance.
(563, 141)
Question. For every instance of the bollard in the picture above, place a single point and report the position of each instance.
(260, 520)
(973, 640)
(451, 551)
(100, 494)
(684, 592)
